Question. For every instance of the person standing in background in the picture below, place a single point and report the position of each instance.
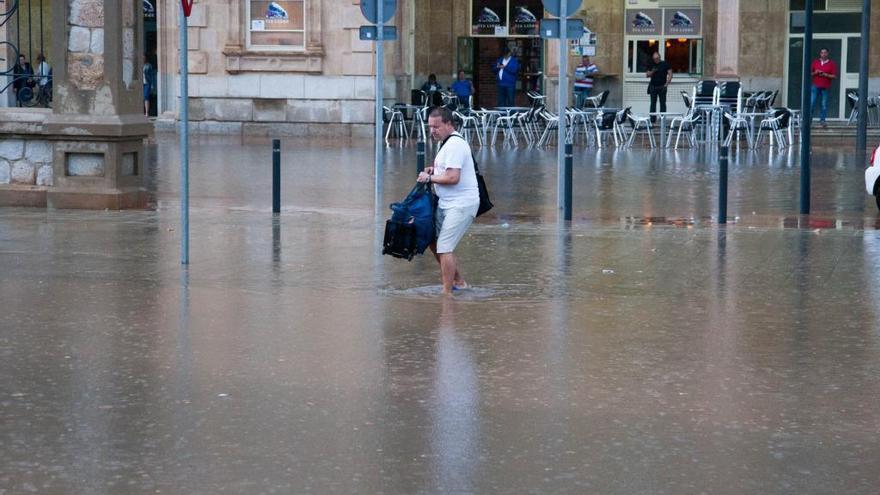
(507, 69)
(660, 73)
(583, 80)
(824, 71)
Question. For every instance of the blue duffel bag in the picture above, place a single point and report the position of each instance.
(411, 228)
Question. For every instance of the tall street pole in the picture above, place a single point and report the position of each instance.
(380, 93)
(862, 134)
(806, 109)
(184, 140)
(563, 99)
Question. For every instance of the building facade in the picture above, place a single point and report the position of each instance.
(298, 67)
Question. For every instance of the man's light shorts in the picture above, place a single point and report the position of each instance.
(451, 225)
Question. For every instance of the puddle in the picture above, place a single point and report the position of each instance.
(491, 292)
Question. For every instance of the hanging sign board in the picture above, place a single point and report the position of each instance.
(683, 22)
(644, 22)
(489, 18)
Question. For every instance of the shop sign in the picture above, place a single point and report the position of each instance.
(489, 18)
(276, 16)
(149, 10)
(526, 18)
(644, 21)
(683, 22)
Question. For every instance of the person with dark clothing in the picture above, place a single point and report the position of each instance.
(507, 68)
(660, 73)
(432, 88)
(22, 73)
(22, 76)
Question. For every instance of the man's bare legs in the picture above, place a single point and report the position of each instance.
(448, 263)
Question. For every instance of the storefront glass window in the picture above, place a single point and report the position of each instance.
(640, 52)
(685, 55)
(276, 24)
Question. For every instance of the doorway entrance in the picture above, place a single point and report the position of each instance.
(839, 32)
(151, 45)
(529, 52)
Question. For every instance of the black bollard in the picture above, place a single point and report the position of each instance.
(722, 186)
(420, 156)
(567, 200)
(276, 176)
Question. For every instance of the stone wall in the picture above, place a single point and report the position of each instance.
(25, 161)
(85, 47)
(327, 90)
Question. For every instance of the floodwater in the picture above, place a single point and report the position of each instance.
(641, 350)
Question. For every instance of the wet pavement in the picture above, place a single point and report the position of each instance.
(641, 350)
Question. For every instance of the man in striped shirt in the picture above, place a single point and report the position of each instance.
(583, 80)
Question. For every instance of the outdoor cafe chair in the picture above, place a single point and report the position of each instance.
(640, 124)
(605, 124)
(776, 126)
(620, 121)
(395, 122)
(737, 124)
(853, 99)
(551, 122)
(469, 124)
(686, 123)
(506, 124)
(597, 101)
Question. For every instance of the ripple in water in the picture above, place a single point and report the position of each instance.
(491, 292)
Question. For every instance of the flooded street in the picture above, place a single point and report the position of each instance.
(640, 350)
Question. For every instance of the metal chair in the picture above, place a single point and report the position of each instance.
(775, 126)
(394, 119)
(469, 124)
(688, 122)
(597, 101)
(606, 123)
(640, 124)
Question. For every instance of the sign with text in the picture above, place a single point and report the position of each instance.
(489, 18)
(525, 17)
(645, 22)
(683, 22)
(277, 15)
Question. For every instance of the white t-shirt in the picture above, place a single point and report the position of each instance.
(456, 153)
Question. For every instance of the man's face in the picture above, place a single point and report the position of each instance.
(439, 129)
(461, 75)
(585, 60)
(22, 60)
(823, 54)
(656, 58)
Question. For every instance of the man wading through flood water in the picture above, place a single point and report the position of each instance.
(455, 183)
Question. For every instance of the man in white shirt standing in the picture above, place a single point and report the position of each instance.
(455, 182)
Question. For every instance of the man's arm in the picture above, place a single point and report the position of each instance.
(449, 178)
(833, 73)
(668, 76)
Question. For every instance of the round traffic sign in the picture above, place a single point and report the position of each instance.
(369, 8)
(555, 7)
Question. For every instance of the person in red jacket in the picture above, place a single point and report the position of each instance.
(824, 71)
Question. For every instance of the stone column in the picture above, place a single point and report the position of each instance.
(727, 54)
(97, 122)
